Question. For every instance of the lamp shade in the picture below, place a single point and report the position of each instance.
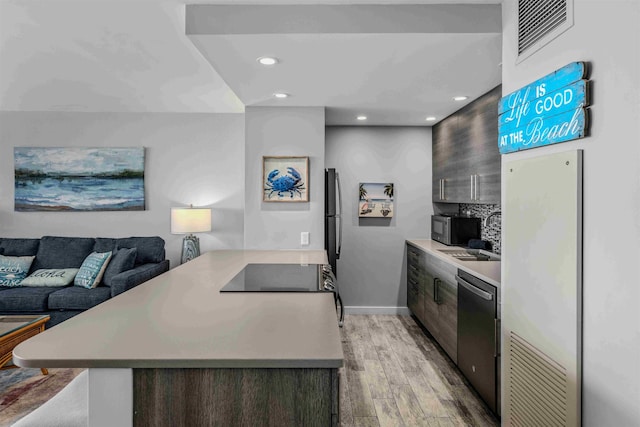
(190, 220)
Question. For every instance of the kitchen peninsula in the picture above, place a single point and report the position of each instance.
(194, 356)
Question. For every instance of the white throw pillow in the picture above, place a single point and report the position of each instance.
(50, 277)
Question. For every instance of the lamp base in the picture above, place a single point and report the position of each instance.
(190, 248)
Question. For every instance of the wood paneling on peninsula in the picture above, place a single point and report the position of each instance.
(208, 397)
(466, 159)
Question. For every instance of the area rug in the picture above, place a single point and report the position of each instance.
(24, 389)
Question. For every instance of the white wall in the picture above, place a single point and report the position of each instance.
(276, 131)
(371, 268)
(190, 158)
(606, 34)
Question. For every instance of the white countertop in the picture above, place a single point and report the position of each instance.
(489, 271)
(181, 320)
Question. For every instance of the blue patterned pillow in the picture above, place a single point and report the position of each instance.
(92, 269)
(13, 269)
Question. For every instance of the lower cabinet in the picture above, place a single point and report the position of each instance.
(432, 296)
(447, 300)
(415, 284)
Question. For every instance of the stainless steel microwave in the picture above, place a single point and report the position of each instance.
(454, 230)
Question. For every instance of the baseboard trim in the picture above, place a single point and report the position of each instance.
(354, 309)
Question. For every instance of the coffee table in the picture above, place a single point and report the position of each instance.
(13, 331)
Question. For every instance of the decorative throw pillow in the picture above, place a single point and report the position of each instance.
(92, 269)
(122, 260)
(13, 269)
(50, 277)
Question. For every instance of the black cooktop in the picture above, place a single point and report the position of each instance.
(276, 278)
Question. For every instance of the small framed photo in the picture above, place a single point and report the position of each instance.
(285, 179)
(375, 200)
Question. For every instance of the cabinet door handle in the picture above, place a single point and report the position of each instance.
(475, 187)
(471, 187)
(474, 290)
(436, 291)
(444, 193)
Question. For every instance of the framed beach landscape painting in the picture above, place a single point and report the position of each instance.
(79, 179)
(376, 200)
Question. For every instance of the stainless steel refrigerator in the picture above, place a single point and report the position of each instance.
(332, 219)
(333, 232)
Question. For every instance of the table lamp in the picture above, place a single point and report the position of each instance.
(188, 221)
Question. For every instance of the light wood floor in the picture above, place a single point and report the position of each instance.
(396, 375)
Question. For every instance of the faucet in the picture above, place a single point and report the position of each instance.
(494, 213)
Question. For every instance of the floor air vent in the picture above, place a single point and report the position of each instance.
(537, 387)
(539, 19)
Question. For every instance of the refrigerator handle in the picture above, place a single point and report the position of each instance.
(339, 216)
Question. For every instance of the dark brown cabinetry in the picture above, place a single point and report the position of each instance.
(432, 296)
(415, 282)
(466, 159)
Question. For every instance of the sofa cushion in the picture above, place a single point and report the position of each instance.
(23, 300)
(92, 270)
(50, 277)
(150, 249)
(78, 298)
(62, 252)
(124, 259)
(13, 269)
(105, 244)
(19, 247)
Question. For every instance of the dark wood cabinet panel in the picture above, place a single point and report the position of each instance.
(432, 296)
(432, 321)
(242, 396)
(415, 296)
(448, 316)
(466, 159)
(443, 159)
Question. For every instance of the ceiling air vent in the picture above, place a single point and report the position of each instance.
(540, 22)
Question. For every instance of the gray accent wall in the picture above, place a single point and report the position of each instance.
(282, 131)
(607, 37)
(189, 159)
(371, 269)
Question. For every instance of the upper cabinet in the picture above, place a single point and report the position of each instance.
(466, 159)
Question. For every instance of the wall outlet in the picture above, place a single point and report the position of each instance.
(304, 238)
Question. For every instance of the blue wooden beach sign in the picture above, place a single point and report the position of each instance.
(547, 111)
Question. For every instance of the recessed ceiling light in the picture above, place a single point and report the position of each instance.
(267, 60)
(361, 118)
(430, 119)
(460, 98)
(281, 95)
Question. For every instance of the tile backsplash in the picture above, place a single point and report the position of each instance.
(491, 232)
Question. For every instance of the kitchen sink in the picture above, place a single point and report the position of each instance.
(471, 254)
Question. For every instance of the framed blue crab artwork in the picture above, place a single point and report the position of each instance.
(285, 179)
(375, 200)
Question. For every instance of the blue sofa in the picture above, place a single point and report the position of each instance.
(62, 303)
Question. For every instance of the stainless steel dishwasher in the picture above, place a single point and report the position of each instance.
(478, 337)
